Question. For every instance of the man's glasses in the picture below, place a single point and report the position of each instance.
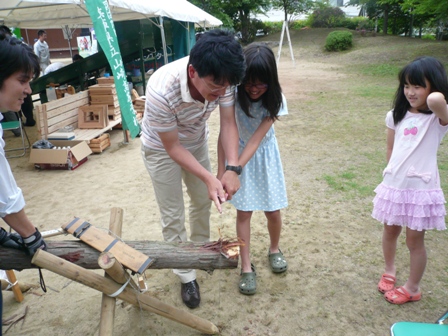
(258, 86)
(215, 89)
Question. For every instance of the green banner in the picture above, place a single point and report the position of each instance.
(104, 27)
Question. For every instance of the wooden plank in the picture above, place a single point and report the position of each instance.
(103, 144)
(89, 134)
(73, 121)
(100, 138)
(69, 107)
(106, 81)
(102, 90)
(62, 117)
(101, 241)
(104, 99)
(67, 100)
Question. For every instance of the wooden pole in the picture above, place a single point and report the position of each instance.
(107, 315)
(76, 273)
(15, 286)
(23, 286)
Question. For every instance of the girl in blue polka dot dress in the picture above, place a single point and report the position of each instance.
(259, 103)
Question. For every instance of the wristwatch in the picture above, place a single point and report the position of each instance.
(236, 169)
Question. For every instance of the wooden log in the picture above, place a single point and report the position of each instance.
(112, 267)
(167, 255)
(107, 315)
(76, 273)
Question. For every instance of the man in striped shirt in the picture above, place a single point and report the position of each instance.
(180, 97)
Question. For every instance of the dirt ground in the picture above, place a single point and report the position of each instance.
(332, 245)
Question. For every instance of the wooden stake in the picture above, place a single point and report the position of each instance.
(15, 287)
(76, 273)
(108, 303)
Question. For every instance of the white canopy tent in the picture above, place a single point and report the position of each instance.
(36, 14)
(44, 14)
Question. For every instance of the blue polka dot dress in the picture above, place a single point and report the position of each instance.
(262, 180)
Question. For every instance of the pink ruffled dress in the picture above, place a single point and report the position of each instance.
(410, 194)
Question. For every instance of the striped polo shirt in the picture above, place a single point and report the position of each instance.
(169, 105)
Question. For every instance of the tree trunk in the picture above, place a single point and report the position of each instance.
(385, 19)
(166, 255)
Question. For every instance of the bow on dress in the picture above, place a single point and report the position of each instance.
(426, 177)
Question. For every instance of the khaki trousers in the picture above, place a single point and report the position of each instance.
(167, 177)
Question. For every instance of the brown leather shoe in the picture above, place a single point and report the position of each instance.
(190, 294)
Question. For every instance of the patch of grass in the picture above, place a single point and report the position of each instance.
(380, 70)
(348, 182)
(374, 91)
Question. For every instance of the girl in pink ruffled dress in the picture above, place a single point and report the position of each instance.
(410, 195)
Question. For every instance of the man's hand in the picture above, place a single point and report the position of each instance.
(231, 183)
(34, 242)
(10, 240)
(216, 192)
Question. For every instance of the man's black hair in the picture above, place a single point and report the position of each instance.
(218, 54)
(41, 32)
(16, 56)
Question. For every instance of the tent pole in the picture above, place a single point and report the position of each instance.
(162, 31)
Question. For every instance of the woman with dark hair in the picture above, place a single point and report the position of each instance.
(18, 66)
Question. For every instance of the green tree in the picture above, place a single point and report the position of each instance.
(214, 8)
(240, 11)
(293, 7)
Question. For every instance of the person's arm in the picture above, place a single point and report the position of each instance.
(36, 50)
(255, 140)
(20, 223)
(437, 104)
(229, 140)
(390, 142)
(187, 161)
(221, 159)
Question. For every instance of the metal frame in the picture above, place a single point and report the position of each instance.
(17, 125)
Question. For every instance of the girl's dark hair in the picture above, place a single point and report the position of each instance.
(418, 72)
(261, 66)
(16, 56)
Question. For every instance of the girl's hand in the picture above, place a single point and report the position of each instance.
(436, 103)
(435, 100)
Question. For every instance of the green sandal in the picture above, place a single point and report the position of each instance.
(248, 282)
(277, 262)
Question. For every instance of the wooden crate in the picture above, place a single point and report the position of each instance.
(105, 80)
(103, 89)
(99, 144)
(56, 114)
(93, 116)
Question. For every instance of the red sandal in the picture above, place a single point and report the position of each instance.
(387, 283)
(400, 295)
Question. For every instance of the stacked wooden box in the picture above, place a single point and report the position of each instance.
(60, 113)
(104, 93)
(139, 104)
(99, 144)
